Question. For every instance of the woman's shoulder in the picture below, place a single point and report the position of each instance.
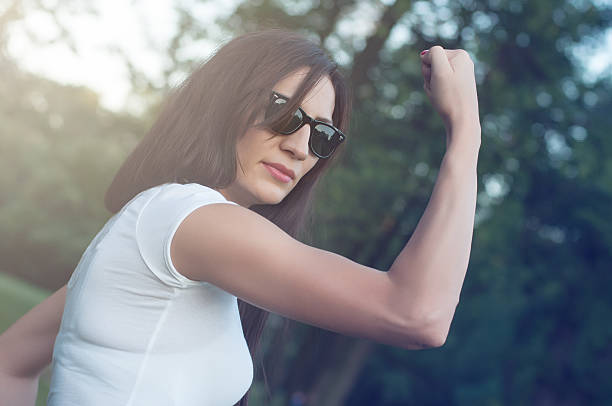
(175, 195)
(193, 190)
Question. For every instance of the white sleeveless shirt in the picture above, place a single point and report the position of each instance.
(136, 332)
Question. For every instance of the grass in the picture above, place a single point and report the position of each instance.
(17, 297)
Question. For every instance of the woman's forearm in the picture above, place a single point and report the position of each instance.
(430, 269)
(26, 347)
(18, 391)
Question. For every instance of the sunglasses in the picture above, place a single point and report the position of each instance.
(324, 137)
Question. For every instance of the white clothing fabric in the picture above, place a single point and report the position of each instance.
(136, 332)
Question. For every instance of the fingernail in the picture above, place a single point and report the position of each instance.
(424, 52)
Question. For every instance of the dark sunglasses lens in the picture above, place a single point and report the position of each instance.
(293, 123)
(287, 126)
(322, 140)
(274, 107)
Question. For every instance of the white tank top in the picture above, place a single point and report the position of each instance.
(136, 332)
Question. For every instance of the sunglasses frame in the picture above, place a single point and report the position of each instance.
(337, 138)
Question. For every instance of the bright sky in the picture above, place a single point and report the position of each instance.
(139, 28)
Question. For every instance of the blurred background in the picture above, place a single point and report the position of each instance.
(81, 82)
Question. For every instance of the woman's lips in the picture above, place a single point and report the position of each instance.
(277, 174)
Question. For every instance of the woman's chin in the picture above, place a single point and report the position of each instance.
(273, 197)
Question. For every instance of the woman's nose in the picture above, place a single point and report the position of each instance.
(297, 142)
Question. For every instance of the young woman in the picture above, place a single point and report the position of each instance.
(168, 302)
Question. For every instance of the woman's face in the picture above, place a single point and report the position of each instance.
(258, 183)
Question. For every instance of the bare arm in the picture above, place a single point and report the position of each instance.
(16, 391)
(26, 347)
(250, 257)
(432, 266)
(409, 307)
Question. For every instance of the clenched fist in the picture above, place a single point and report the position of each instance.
(450, 84)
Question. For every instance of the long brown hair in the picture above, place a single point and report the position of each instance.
(194, 137)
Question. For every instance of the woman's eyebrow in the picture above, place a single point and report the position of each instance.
(325, 120)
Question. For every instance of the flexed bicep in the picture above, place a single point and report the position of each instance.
(248, 256)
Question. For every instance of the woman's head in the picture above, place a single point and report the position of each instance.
(209, 119)
(261, 148)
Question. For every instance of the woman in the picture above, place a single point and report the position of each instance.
(209, 209)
